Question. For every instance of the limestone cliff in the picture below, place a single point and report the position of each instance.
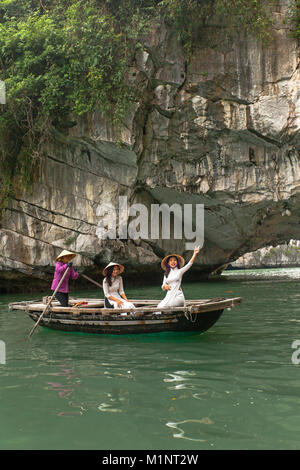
(281, 256)
(219, 128)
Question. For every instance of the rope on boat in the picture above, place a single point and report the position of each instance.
(189, 315)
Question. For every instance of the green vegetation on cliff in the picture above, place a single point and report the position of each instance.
(58, 58)
(295, 18)
(64, 58)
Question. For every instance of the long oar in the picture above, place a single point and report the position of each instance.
(48, 304)
(92, 280)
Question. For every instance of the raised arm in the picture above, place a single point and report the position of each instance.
(189, 264)
(196, 251)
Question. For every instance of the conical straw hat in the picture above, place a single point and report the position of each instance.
(113, 264)
(180, 259)
(65, 253)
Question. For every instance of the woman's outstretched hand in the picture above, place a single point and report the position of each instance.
(196, 250)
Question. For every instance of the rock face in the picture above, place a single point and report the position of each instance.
(220, 129)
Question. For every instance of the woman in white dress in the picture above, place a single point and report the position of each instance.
(174, 267)
(115, 296)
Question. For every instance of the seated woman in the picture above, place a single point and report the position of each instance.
(174, 268)
(115, 296)
(63, 262)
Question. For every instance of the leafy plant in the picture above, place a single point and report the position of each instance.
(294, 18)
(57, 59)
(190, 16)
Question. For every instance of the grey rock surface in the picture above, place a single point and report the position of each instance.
(220, 129)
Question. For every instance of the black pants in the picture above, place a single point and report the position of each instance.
(62, 298)
(107, 304)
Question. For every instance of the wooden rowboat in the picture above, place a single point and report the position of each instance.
(90, 316)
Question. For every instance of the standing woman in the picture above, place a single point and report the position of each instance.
(174, 268)
(115, 296)
(63, 262)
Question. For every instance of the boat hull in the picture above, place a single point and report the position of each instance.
(121, 326)
(91, 316)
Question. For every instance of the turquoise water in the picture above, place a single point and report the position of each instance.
(233, 387)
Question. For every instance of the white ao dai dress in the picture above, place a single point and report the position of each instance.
(115, 290)
(174, 296)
